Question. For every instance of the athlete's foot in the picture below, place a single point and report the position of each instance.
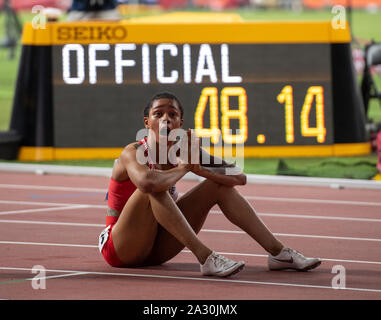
(218, 265)
(292, 259)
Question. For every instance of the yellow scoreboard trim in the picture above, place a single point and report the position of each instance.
(51, 153)
(142, 31)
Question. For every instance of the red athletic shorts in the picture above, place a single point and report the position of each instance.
(106, 247)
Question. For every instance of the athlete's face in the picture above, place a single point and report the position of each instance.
(164, 115)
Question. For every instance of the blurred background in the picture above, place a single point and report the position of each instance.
(364, 17)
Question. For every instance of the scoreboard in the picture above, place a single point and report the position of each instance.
(267, 86)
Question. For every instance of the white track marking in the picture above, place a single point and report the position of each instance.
(66, 205)
(321, 201)
(51, 188)
(264, 214)
(304, 216)
(44, 277)
(50, 244)
(58, 276)
(184, 251)
(57, 204)
(206, 230)
(36, 203)
(54, 223)
(265, 256)
(301, 216)
(208, 279)
(294, 235)
(43, 209)
(262, 198)
(216, 231)
(325, 237)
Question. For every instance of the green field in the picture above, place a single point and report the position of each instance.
(365, 27)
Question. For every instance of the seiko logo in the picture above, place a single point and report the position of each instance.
(91, 33)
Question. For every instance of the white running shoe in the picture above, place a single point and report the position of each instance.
(217, 265)
(292, 259)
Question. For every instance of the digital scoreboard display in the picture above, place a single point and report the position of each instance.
(266, 86)
(100, 91)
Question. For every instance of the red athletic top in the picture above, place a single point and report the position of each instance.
(120, 191)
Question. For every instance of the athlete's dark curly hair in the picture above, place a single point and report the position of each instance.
(162, 95)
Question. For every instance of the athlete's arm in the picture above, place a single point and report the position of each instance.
(219, 175)
(210, 167)
(148, 180)
(219, 170)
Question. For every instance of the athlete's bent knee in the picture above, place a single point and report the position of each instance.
(159, 195)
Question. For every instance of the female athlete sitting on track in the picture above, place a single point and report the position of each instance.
(147, 225)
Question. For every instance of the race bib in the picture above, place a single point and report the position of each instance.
(173, 192)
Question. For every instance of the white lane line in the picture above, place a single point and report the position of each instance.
(57, 204)
(43, 209)
(301, 216)
(210, 231)
(263, 198)
(208, 279)
(264, 214)
(265, 256)
(304, 216)
(58, 276)
(54, 223)
(251, 178)
(50, 188)
(294, 235)
(184, 251)
(44, 277)
(321, 201)
(50, 244)
(36, 203)
(326, 237)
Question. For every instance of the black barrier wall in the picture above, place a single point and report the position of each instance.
(348, 111)
(32, 113)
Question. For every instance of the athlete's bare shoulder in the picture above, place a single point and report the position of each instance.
(131, 149)
(121, 164)
(131, 153)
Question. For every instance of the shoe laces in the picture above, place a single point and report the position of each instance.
(296, 252)
(220, 261)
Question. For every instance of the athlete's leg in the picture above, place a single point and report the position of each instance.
(134, 233)
(239, 211)
(195, 206)
(136, 229)
(168, 214)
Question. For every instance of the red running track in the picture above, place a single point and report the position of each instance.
(54, 221)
